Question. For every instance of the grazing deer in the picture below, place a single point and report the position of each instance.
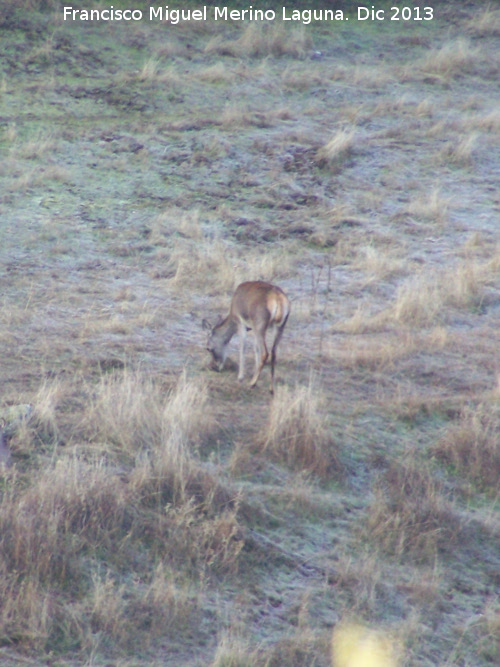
(258, 306)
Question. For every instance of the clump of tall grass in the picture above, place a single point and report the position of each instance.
(486, 24)
(160, 430)
(136, 496)
(432, 207)
(207, 264)
(297, 433)
(131, 411)
(263, 40)
(472, 446)
(336, 149)
(410, 516)
(422, 299)
(452, 59)
(152, 72)
(75, 498)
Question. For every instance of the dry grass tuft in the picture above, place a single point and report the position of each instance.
(298, 649)
(50, 535)
(409, 516)
(418, 302)
(130, 411)
(379, 263)
(425, 108)
(461, 154)
(432, 207)
(297, 434)
(217, 73)
(452, 59)
(152, 72)
(149, 70)
(193, 264)
(10, 134)
(233, 651)
(361, 321)
(37, 148)
(236, 115)
(426, 298)
(161, 431)
(32, 178)
(274, 264)
(168, 604)
(381, 351)
(135, 616)
(343, 214)
(337, 149)
(369, 76)
(359, 579)
(422, 299)
(26, 609)
(73, 497)
(489, 122)
(200, 540)
(262, 41)
(125, 412)
(472, 446)
(91, 504)
(295, 78)
(46, 403)
(486, 24)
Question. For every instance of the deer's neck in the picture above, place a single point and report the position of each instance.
(228, 328)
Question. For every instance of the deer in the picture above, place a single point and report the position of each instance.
(256, 306)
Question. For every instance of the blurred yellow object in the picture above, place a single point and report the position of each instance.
(356, 646)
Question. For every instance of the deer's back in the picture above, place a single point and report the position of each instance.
(258, 299)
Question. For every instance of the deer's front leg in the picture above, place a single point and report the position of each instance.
(261, 356)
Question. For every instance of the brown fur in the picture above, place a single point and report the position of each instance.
(258, 306)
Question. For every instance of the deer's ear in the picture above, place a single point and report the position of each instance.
(205, 324)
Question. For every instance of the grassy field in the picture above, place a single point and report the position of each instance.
(159, 513)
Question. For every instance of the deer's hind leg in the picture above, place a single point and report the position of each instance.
(261, 353)
(277, 338)
(279, 333)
